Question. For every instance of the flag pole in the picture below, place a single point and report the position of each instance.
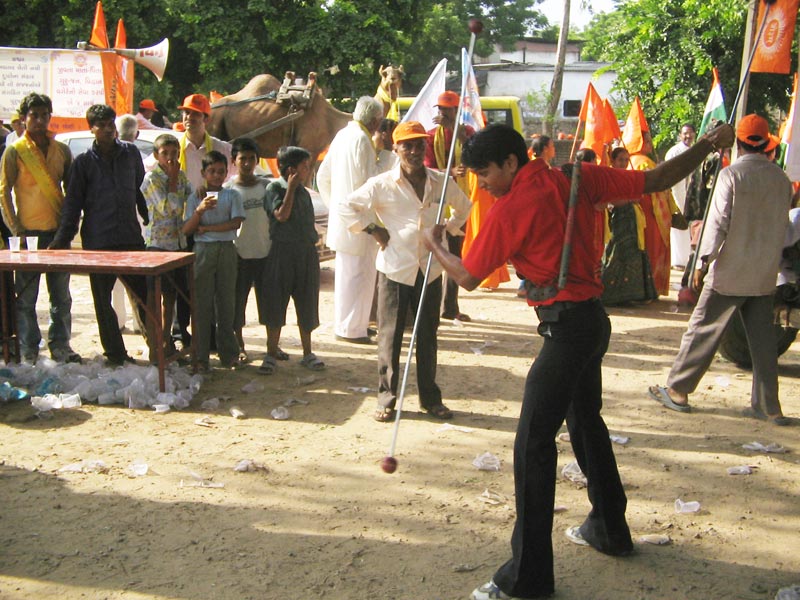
(475, 28)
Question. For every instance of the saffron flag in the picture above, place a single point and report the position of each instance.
(715, 105)
(635, 125)
(773, 50)
(472, 114)
(124, 74)
(99, 33)
(594, 114)
(423, 109)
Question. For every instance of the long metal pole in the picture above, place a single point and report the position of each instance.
(402, 393)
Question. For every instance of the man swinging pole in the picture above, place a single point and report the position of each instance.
(527, 227)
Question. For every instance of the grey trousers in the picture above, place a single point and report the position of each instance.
(215, 283)
(706, 326)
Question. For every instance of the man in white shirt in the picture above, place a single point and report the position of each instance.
(405, 200)
(196, 142)
(350, 161)
(740, 253)
(679, 239)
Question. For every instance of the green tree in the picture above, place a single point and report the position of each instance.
(663, 51)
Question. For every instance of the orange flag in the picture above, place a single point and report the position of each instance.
(611, 122)
(634, 127)
(124, 74)
(593, 112)
(773, 52)
(99, 34)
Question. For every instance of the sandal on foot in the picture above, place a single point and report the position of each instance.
(440, 411)
(267, 365)
(281, 355)
(755, 413)
(312, 363)
(661, 394)
(243, 358)
(384, 415)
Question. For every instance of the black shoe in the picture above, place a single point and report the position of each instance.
(118, 361)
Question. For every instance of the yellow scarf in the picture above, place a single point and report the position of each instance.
(34, 160)
(209, 146)
(440, 150)
(394, 108)
(369, 135)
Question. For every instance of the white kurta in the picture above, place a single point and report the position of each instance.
(350, 161)
(680, 247)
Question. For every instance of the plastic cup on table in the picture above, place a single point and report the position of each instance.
(32, 242)
(13, 243)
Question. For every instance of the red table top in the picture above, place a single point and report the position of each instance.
(94, 261)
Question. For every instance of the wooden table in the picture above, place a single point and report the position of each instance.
(87, 262)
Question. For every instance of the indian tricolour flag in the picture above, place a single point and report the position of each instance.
(715, 106)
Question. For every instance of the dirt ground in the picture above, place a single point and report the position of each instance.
(323, 521)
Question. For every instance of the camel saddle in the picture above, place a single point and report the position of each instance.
(297, 96)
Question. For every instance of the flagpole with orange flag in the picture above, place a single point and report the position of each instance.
(99, 36)
(591, 93)
(124, 72)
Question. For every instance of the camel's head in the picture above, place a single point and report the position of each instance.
(391, 80)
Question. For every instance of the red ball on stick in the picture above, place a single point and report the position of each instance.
(389, 464)
(475, 26)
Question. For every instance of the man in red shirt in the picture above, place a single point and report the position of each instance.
(526, 226)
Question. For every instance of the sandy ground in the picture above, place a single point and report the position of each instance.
(325, 522)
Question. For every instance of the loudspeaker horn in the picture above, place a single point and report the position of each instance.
(154, 57)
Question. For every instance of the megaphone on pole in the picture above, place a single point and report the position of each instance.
(154, 57)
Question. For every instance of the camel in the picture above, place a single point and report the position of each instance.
(250, 111)
(389, 90)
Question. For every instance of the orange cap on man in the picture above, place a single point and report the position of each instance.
(147, 104)
(408, 130)
(448, 99)
(753, 130)
(197, 103)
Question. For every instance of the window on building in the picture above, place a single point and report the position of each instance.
(571, 108)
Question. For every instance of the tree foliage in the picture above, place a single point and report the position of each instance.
(221, 45)
(664, 50)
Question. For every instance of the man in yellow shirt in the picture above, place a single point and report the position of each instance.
(35, 168)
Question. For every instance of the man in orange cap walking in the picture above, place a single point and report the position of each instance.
(737, 267)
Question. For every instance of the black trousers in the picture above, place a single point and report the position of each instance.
(107, 324)
(394, 301)
(564, 382)
(450, 308)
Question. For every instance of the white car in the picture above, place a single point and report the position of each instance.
(80, 141)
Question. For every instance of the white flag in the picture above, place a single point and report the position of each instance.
(424, 107)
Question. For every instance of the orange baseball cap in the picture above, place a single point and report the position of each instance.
(197, 103)
(774, 142)
(409, 130)
(448, 99)
(147, 104)
(753, 131)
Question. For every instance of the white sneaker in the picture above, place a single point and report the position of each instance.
(574, 535)
(489, 591)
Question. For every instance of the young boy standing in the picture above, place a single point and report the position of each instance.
(293, 268)
(166, 190)
(213, 220)
(252, 242)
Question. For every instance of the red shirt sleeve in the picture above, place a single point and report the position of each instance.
(604, 185)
